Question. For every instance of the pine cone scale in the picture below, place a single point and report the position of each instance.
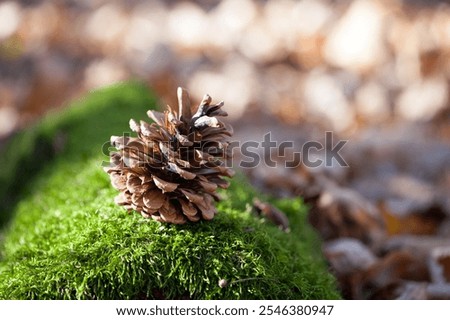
(156, 116)
(153, 199)
(208, 186)
(188, 208)
(164, 186)
(192, 197)
(184, 104)
(182, 173)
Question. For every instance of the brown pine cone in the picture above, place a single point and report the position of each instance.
(171, 170)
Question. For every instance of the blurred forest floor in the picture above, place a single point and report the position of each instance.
(375, 73)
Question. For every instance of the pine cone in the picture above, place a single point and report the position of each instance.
(171, 170)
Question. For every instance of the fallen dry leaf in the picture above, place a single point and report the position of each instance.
(382, 279)
(273, 214)
(348, 255)
(342, 212)
(421, 246)
(439, 264)
(419, 221)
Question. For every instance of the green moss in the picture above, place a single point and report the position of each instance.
(67, 239)
(74, 134)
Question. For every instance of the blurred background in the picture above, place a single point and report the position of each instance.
(375, 73)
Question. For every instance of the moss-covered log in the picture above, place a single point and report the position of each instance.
(64, 238)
